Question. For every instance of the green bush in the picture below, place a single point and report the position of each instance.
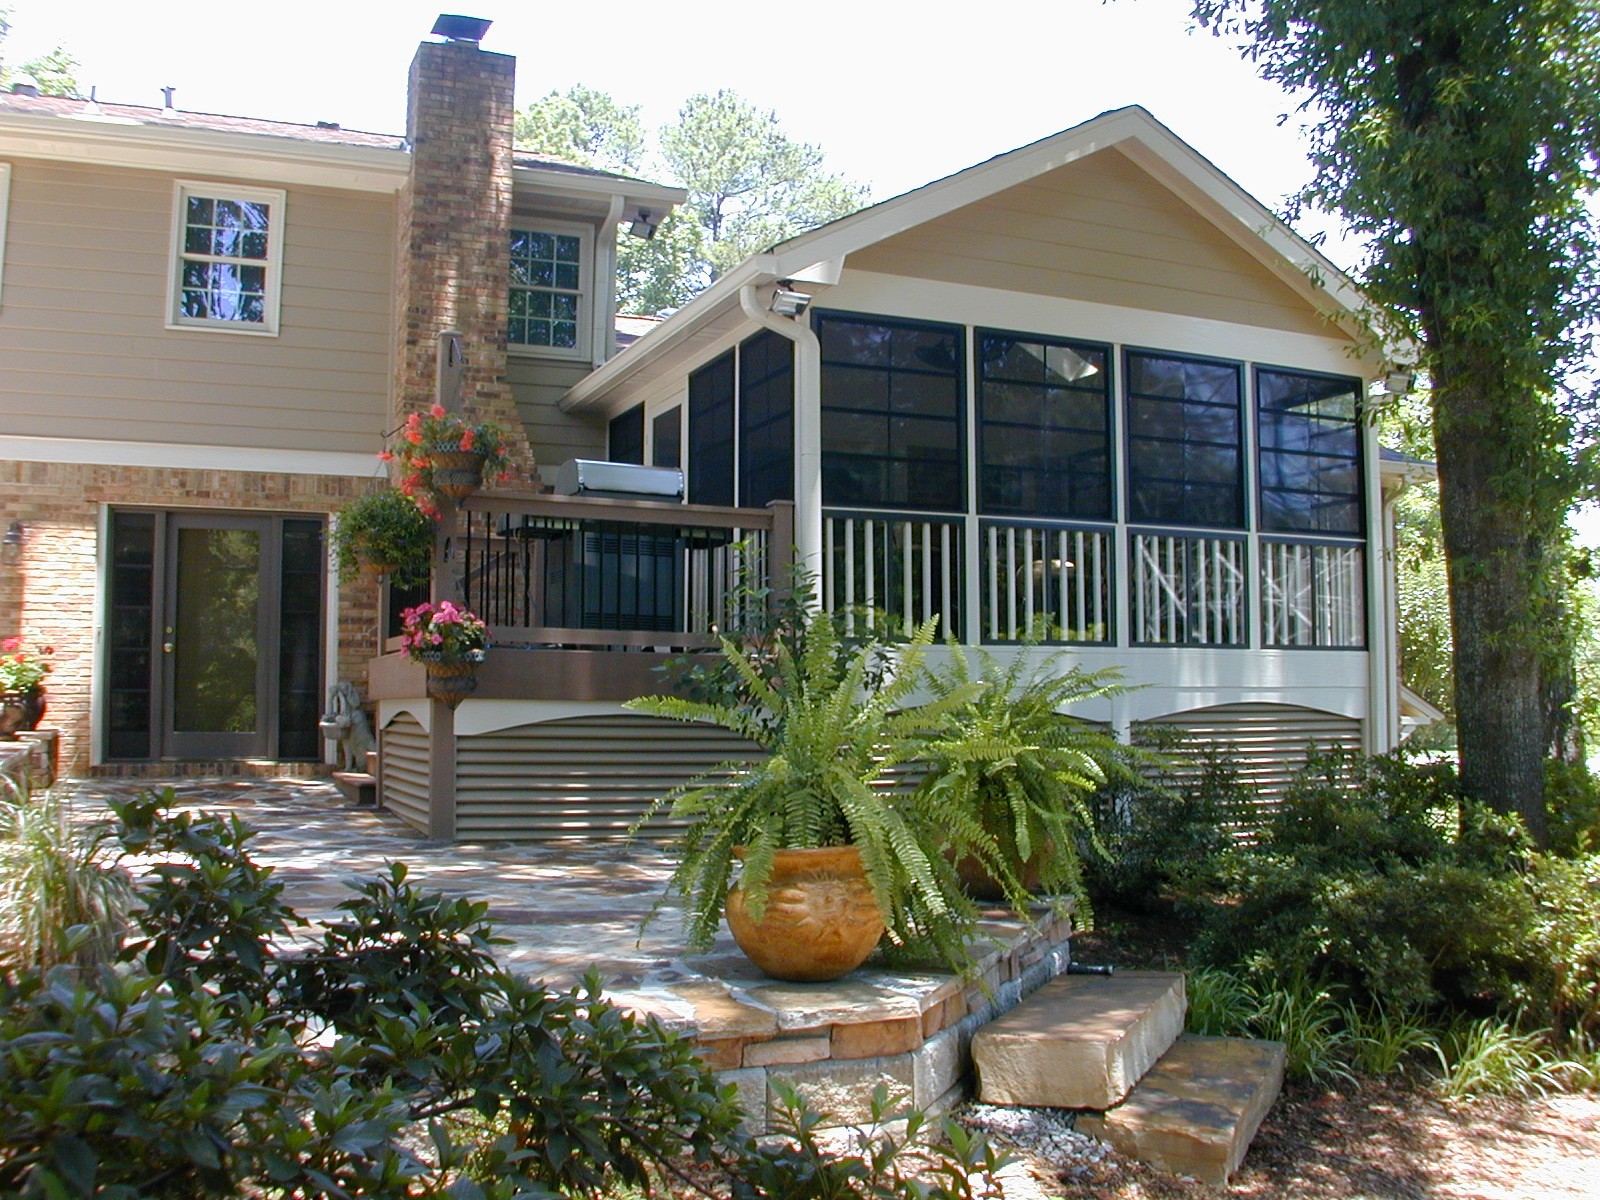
(389, 1058)
(1162, 837)
(1572, 804)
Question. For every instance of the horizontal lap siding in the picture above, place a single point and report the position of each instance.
(1102, 230)
(588, 777)
(404, 761)
(82, 326)
(1268, 744)
(538, 384)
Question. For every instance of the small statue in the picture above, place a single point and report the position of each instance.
(346, 723)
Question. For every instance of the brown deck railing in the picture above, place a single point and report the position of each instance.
(579, 572)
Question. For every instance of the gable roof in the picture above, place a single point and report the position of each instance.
(818, 255)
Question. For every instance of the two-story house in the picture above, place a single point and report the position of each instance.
(1087, 391)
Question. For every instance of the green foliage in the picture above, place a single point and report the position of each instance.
(750, 185)
(56, 71)
(61, 897)
(1460, 139)
(1383, 1038)
(389, 1058)
(1013, 774)
(1302, 1014)
(1221, 1003)
(387, 530)
(1492, 1057)
(1165, 833)
(833, 745)
(1572, 800)
(1560, 981)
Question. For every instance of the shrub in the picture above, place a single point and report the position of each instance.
(390, 1058)
(1572, 803)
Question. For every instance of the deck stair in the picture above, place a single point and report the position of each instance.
(1111, 1047)
(360, 787)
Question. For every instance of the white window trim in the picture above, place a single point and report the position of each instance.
(277, 199)
(585, 236)
(5, 205)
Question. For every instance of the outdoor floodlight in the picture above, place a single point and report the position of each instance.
(788, 304)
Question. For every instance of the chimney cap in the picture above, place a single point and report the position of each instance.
(461, 29)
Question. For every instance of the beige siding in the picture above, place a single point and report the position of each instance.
(83, 342)
(1100, 230)
(554, 436)
(403, 783)
(1268, 743)
(588, 777)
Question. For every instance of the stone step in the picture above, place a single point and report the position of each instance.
(1196, 1111)
(357, 786)
(1080, 1041)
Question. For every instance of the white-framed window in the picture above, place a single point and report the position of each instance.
(227, 258)
(551, 265)
(5, 202)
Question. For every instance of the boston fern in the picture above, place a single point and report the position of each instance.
(1013, 765)
(833, 745)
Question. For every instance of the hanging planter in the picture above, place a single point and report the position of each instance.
(21, 710)
(384, 533)
(22, 673)
(456, 473)
(450, 642)
(442, 454)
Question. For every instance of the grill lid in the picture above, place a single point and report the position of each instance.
(621, 481)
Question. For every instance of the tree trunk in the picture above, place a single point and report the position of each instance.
(1484, 499)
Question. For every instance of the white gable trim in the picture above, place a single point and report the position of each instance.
(1170, 160)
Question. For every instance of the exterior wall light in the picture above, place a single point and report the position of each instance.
(788, 304)
(11, 543)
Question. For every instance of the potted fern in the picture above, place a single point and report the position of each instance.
(831, 854)
(1021, 771)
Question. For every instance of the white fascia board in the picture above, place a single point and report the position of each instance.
(600, 188)
(206, 152)
(589, 393)
(188, 457)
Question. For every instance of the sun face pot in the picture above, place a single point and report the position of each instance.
(822, 919)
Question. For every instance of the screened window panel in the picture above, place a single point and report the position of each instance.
(711, 433)
(625, 436)
(766, 420)
(1309, 428)
(667, 439)
(1185, 463)
(892, 413)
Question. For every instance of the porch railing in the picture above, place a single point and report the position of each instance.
(894, 569)
(1312, 595)
(569, 572)
(1188, 590)
(1050, 583)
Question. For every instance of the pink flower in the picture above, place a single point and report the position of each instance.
(385, 455)
(437, 412)
(413, 435)
(467, 438)
(11, 643)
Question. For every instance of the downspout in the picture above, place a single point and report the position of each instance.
(1391, 615)
(603, 314)
(807, 427)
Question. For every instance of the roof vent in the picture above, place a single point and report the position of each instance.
(327, 124)
(166, 101)
(24, 85)
(461, 29)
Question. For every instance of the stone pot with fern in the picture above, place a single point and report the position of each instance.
(796, 822)
(1021, 771)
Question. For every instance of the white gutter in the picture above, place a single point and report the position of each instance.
(807, 428)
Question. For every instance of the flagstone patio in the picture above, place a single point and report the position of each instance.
(572, 907)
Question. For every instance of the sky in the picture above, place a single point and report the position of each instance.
(897, 93)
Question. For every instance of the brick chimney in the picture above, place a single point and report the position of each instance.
(452, 269)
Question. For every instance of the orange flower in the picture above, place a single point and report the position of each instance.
(437, 412)
(467, 438)
(385, 455)
(414, 436)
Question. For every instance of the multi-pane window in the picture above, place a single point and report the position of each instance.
(711, 433)
(1310, 433)
(892, 413)
(546, 290)
(229, 251)
(625, 436)
(1184, 461)
(1044, 431)
(766, 419)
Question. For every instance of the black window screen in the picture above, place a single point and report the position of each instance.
(625, 436)
(1309, 427)
(1184, 460)
(766, 420)
(666, 430)
(892, 413)
(1044, 430)
(711, 433)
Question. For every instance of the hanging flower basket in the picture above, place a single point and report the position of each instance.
(453, 681)
(21, 710)
(457, 473)
(450, 642)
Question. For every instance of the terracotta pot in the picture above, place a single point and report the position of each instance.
(456, 473)
(981, 885)
(452, 681)
(821, 920)
(21, 710)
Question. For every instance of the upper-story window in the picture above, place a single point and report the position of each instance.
(1184, 461)
(1044, 427)
(548, 271)
(228, 258)
(892, 413)
(1310, 434)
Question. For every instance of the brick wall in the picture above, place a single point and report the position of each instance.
(453, 259)
(48, 594)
